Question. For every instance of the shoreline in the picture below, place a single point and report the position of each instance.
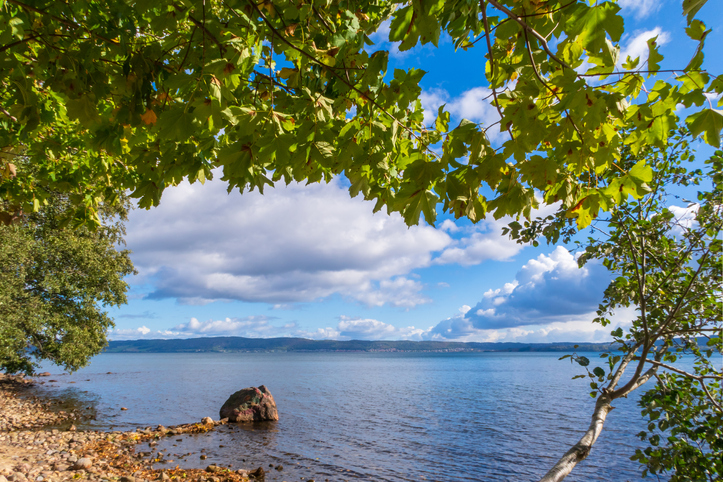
(34, 449)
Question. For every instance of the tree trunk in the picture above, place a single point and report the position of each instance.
(581, 449)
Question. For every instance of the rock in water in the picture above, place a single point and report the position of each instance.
(250, 405)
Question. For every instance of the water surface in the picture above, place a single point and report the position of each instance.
(367, 416)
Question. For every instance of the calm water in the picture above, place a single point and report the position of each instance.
(362, 416)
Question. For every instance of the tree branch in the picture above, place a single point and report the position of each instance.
(18, 42)
(682, 372)
(483, 7)
(61, 20)
(338, 76)
(534, 33)
(12, 118)
(198, 24)
(542, 81)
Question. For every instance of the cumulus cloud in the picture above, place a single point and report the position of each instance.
(381, 41)
(480, 243)
(473, 104)
(294, 244)
(369, 329)
(641, 8)
(549, 290)
(357, 328)
(135, 333)
(249, 327)
(637, 46)
(145, 315)
(684, 218)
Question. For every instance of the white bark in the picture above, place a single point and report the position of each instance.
(581, 449)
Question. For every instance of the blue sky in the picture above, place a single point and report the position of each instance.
(310, 261)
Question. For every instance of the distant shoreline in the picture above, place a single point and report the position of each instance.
(303, 345)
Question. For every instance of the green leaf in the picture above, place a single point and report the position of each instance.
(599, 372)
(641, 171)
(709, 122)
(442, 123)
(401, 23)
(84, 110)
(583, 361)
(696, 30)
(654, 57)
(176, 124)
(596, 22)
(691, 7)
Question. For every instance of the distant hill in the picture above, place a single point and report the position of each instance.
(240, 344)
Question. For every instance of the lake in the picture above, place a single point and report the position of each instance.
(366, 416)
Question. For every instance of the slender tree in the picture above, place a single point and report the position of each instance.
(666, 262)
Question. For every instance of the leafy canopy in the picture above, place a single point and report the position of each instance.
(112, 95)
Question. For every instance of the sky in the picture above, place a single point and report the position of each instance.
(312, 262)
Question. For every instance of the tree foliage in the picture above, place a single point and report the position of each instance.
(667, 263)
(141, 95)
(53, 284)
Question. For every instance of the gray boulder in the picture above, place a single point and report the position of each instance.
(250, 405)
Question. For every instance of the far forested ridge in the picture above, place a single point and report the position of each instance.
(236, 343)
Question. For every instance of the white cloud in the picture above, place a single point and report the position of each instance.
(249, 326)
(482, 242)
(637, 46)
(684, 218)
(431, 100)
(369, 329)
(381, 41)
(294, 244)
(139, 333)
(473, 104)
(549, 290)
(400, 291)
(320, 334)
(449, 226)
(641, 8)
(356, 328)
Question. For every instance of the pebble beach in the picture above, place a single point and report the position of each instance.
(33, 449)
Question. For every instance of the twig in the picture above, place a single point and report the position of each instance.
(198, 24)
(524, 25)
(678, 370)
(483, 7)
(190, 42)
(18, 42)
(8, 114)
(539, 77)
(321, 19)
(338, 76)
(61, 20)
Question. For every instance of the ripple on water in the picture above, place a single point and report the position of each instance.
(369, 417)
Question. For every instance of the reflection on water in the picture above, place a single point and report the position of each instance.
(372, 417)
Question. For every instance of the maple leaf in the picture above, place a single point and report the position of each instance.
(149, 118)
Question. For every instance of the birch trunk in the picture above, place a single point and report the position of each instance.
(581, 449)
